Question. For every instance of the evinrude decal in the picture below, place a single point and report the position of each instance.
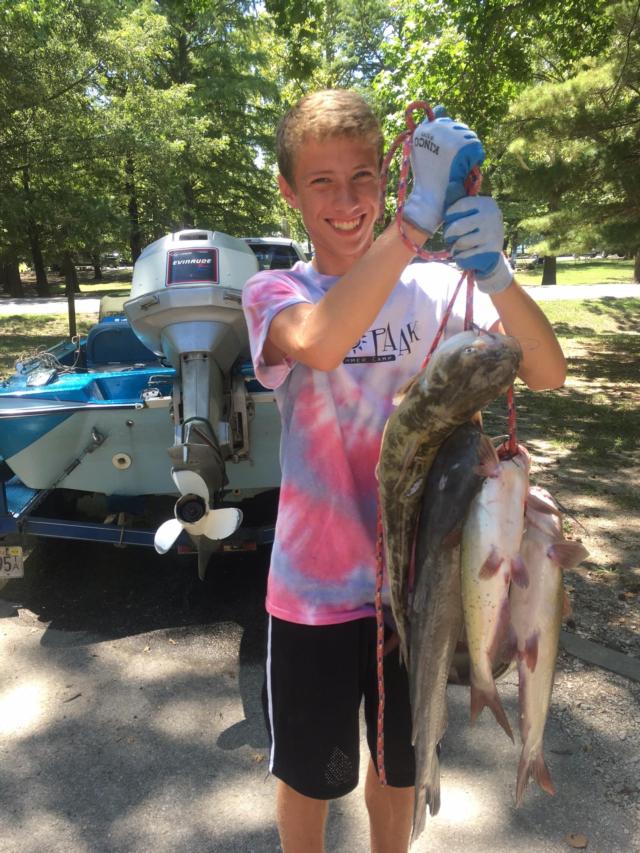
(192, 266)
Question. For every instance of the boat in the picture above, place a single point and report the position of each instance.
(159, 399)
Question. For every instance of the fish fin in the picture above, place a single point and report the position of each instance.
(510, 646)
(419, 814)
(390, 644)
(519, 571)
(488, 460)
(491, 564)
(533, 768)
(426, 796)
(453, 538)
(541, 505)
(403, 390)
(530, 653)
(409, 456)
(482, 698)
(567, 609)
(567, 553)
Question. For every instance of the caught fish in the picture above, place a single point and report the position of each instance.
(465, 373)
(435, 612)
(490, 561)
(536, 617)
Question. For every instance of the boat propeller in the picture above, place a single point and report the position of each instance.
(193, 514)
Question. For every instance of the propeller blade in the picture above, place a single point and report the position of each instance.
(216, 524)
(166, 535)
(191, 483)
(220, 523)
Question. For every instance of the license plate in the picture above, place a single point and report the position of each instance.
(11, 561)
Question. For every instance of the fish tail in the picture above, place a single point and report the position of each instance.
(419, 813)
(481, 698)
(427, 794)
(532, 767)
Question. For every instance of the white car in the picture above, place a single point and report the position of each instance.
(276, 253)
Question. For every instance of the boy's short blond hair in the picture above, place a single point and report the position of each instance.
(323, 114)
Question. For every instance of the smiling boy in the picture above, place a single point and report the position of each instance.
(336, 338)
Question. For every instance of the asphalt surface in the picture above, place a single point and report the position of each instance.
(130, 720)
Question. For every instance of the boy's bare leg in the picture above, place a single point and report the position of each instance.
(390, 814)
(300, 820)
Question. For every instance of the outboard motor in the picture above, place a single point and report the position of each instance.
(186, 307)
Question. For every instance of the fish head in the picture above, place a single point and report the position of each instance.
(472, 368)
(543, 513)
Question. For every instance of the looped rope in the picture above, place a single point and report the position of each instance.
(472, 186)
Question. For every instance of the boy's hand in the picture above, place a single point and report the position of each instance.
(474, 231)
(442, 155)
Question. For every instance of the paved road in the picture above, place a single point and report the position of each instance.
(91, 305)
(130, 722)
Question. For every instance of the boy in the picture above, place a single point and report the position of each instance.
(336, 338)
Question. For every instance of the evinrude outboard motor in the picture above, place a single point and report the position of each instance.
(186, 307)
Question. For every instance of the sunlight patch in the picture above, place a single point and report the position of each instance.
(21, 709)
(459, 805)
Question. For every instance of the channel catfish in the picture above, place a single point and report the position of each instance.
(536, 617)
(435, 612)
(490, 561)
(464, 374)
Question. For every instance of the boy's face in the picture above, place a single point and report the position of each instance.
(336, 188)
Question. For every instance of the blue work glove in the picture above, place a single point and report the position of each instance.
(474, 231)
(443, 153)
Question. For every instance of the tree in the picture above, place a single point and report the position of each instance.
(576, 150)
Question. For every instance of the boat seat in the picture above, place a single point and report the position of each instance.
(113, 341)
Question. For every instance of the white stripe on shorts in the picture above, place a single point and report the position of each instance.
(270, 700)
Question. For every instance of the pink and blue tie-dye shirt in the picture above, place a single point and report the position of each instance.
(323, 561)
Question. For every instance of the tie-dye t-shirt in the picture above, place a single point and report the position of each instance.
(323, 562)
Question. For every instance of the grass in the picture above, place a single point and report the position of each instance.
(28, 332)
(593, 422)
(115, 282)
(596, 271)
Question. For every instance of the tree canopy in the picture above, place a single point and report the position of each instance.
(126, 119)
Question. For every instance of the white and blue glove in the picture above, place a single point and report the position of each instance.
(442, 155)
(474, 231)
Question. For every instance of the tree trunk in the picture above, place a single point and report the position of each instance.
(70, 274)
(33, 230)
(42, 282)
(71, 287)
(549, 270)
(188, 214)
(636, 268)
(10, 269)
(97, 267)
(135, 241)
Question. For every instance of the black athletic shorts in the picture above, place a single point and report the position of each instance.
(316, 677)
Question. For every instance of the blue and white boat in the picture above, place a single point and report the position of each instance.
(159, 399)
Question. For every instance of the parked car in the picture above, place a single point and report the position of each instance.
(276, 253)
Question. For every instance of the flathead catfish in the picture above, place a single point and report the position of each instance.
(490, 561)
(435, 612)
(536, 617)
(464, 374)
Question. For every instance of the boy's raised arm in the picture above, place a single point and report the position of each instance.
(320, 335)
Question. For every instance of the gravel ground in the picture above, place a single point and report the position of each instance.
(598, 711)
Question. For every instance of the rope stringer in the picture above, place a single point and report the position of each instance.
(472, 186)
